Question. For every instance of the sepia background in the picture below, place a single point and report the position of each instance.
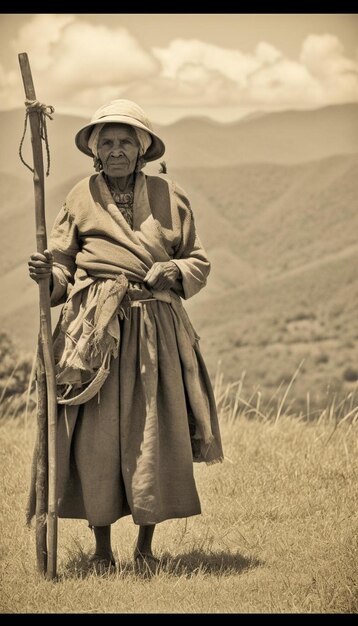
(260, 117)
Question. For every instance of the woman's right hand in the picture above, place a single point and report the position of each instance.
(40, 265)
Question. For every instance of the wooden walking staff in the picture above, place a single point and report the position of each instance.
(46, 466)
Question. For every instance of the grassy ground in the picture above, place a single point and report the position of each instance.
(278, 533)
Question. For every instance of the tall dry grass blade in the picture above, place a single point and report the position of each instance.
(257, 408)
(252, 408)
(235, 409)
(342, 421)
(274, 395)
(28, 395)
(217, 379)
(322, 415)
(287, 391)
(308, 404)
(9, 379)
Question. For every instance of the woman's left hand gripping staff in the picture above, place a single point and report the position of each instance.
(162, 275)
(40, 265)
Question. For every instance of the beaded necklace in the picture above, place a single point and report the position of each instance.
(124, 201)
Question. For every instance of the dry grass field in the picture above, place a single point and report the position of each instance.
(278, 532)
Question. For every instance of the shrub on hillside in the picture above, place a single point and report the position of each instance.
(350, 374)
(322, 358)
(301, 316)
(15, 372)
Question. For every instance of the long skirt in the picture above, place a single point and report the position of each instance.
(129, 449)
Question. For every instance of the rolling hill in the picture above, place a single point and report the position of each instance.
(286, 137)
(280, 216)
(279, 228)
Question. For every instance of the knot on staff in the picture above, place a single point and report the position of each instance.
(43, 111)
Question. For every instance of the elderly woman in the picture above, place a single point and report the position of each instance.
(136, 406)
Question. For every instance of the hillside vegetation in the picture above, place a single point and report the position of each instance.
(293, 292)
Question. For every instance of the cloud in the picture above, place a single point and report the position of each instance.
(337, 75)
(323, 55)
(79, 65)
(283, 84)
(231, 64)
(95, 56)
(39, 36)
(264, 79)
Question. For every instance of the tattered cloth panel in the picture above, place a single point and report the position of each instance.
(88, 336)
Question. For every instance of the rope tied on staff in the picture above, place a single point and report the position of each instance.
(44, 111)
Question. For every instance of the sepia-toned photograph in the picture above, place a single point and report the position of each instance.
(178, 318)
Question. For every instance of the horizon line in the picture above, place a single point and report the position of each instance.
(202, 115)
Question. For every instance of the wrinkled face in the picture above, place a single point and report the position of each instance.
(118, 149)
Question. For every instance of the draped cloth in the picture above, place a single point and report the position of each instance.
(87, 337)
(130, 447)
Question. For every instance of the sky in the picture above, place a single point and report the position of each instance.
(223, 66)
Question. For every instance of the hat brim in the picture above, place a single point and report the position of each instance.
(155, 150)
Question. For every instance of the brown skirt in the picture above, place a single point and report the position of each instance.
(129, 450)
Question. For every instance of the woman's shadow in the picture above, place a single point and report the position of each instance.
(187, 564)
(213, 562)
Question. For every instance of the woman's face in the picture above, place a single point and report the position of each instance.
(118, 149)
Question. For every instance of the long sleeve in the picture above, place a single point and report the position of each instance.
(64, 245)
(190, 256)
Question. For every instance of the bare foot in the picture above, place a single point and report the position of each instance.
(146, 563)
(102, 562)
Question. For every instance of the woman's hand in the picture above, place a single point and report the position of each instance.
(162, 275)
(40, 265)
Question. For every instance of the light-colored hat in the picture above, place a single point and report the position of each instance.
(121, 112)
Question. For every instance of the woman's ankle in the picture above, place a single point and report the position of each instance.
(143, 546)
(103, 541)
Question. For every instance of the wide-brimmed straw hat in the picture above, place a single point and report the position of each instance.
(121, 112)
